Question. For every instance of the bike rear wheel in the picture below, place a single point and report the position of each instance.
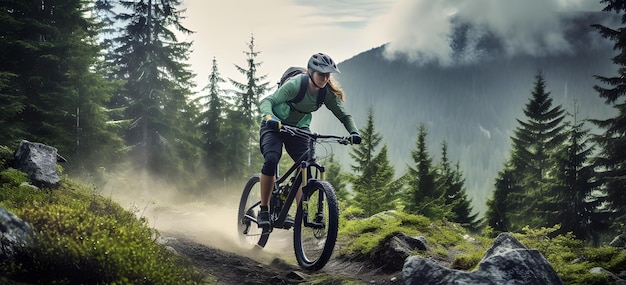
(249, 206)
(316, 225)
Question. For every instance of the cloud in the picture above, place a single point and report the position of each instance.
(420, 30)
(287, 32)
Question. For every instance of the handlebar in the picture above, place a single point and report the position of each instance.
(315, 136)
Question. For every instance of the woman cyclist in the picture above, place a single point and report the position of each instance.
(279, 108)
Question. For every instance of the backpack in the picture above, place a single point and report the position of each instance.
(299, 71)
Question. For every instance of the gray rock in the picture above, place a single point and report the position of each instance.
(13, 233)
(396, 249)
(600, 270)
(38, 161)
(506, 262)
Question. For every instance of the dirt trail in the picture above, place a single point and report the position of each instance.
(206, 233)
(220, 254)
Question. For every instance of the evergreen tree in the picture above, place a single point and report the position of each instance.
(51, 89)
(11, 104)
(147, 56)
(336, 177)
(611, 160)
(248, 94)
(534, 141)
(575, 206)
(373, 180)
(244, 118)
(212, 125)
(498, 206)
(373, 188)
(450, 181)
(363, 153)
(424, 197)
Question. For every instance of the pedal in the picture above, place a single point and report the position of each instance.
(266, 230)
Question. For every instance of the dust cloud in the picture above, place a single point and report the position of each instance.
(209, 220)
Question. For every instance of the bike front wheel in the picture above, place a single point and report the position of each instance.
(316, 225)
(249, 206)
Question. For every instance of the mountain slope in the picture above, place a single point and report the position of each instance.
(473, 106)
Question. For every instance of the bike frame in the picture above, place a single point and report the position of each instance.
(304, 165)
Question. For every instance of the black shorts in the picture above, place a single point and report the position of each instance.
(273, 141)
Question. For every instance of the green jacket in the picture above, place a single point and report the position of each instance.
(276, 106)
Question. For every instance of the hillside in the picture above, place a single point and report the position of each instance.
(473, 106)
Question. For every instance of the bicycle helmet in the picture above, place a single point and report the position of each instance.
(322, 63)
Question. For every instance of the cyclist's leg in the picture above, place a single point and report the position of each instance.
(296, 147)
(271, 148)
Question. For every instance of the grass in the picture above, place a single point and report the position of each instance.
(84, 238)
(571, 258)
(364, 237)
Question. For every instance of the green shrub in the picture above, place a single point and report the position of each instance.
(6, 157)
(13, 178)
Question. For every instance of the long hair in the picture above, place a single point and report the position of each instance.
(334, 86)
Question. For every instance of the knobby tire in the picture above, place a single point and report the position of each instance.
(313, 247)
(251, 195)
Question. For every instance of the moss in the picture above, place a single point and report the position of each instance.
(84, 238)
(467, 261)
(12, 178)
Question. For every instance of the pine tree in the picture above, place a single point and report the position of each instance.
(575, 205)
(373, 178)
(148, 57)
(336, 177)
(51, 89)
(373, 188)
(212, 125)
(611, 161)
(11, 104)
(498, 206)
(450, 181)
(245, 116)
(534, 141)
(424, 197)
(248, 94)
(363, 153)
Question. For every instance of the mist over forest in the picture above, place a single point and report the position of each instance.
(474, 104)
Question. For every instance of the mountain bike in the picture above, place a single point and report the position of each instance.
(316, 221)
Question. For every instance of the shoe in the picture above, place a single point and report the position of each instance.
(288, 222)
(263, 219)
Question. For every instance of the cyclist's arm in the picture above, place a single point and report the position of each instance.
(334, 104)
(285, 93)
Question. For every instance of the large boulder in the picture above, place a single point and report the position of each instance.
(14, 233)
(506, 262)
(396, 249)
(39, 162)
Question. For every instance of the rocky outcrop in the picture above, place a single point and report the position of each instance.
(14, 233)
(38, 161)
(506, 262)
(396, 249)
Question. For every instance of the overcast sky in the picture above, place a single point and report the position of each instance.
(288, 32)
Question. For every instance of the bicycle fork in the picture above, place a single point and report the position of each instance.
(318, 220)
